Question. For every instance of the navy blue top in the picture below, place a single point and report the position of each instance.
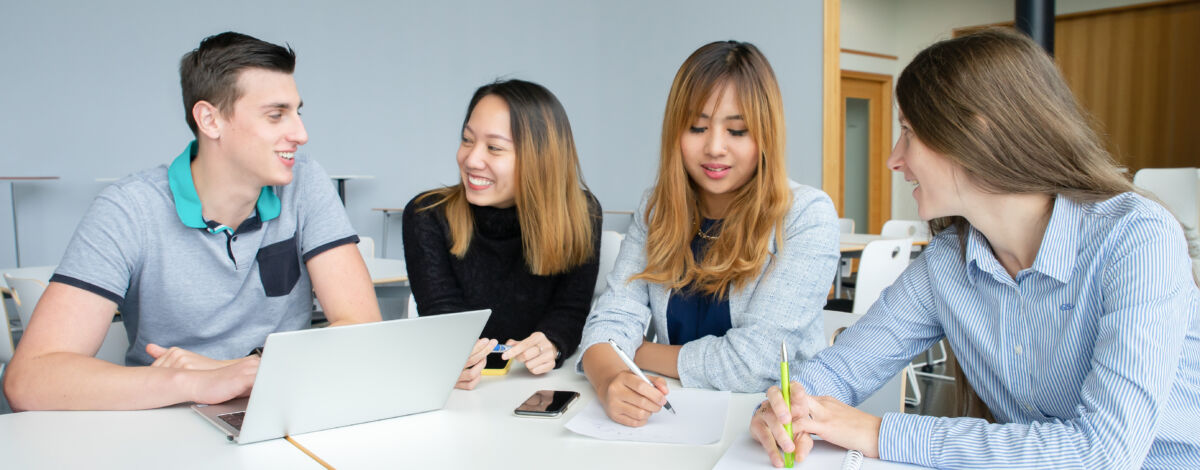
(690, 314)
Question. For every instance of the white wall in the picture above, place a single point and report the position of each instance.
(904, 27)
(90, 89)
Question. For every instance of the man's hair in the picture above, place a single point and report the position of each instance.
(209, 73)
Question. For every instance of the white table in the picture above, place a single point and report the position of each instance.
(174, 437)
(475, 428)
(478, 428)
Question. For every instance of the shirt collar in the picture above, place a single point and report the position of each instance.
(187, 201)
(1056, 255)
(1060, 244)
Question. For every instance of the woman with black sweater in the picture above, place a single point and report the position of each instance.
(519, 234)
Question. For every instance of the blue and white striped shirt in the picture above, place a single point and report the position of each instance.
(1088, 359)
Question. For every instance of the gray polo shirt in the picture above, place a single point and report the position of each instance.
(181, 280)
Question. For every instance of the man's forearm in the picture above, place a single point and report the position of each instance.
(69, 381)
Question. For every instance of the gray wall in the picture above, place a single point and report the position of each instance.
(90, 89)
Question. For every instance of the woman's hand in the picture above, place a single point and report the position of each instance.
(474, 368)
(767, 424)
(629, 400)
(842, 425)
(537, 352)
(832, 420)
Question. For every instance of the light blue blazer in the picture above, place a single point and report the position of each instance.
(783, 303)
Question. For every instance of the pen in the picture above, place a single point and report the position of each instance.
(634, 368)
(789, 458)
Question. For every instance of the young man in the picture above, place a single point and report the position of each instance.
(203, 258)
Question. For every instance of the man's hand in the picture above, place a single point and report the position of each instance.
(180, 358)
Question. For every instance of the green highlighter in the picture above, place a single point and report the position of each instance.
(789, 458)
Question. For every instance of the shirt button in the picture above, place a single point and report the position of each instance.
(1017, 348)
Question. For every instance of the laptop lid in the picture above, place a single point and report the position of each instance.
(310, 380)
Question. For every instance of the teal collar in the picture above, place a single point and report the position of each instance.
(187, 202)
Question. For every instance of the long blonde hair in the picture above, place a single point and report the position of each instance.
(673, 213)
(552, 206)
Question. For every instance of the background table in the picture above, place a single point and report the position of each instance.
(12, 191)
(341, 183)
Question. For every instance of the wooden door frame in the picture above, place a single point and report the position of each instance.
(879, 178)
(832, 104)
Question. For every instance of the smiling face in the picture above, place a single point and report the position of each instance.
(938, 182)
(263, 130)
(719, 154)
(487, 158)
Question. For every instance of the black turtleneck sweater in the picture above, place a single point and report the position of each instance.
(493, 274)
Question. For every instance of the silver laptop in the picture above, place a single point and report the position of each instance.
(310, 380)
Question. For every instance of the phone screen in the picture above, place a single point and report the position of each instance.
(495, 363)
(547, 403)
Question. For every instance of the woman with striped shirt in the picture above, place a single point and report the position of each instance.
(1067, 297)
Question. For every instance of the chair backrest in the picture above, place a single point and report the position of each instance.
(6, 342)
(366, 247)
(890, 397)
(412, 307)
(115, 345)
(846, 225)
(26, 293)
(1176, 188)
(610, 245)
(914, 229)
(882, 262)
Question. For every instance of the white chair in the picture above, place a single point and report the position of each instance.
(27, 292)
(1179, 190)
(914, 229)
(6, 353)
(412, 307)
(1176, 188)
(888, 399)
(6, 345)
(882, 262)
(844, 226)
(610, 245)
(366, 247)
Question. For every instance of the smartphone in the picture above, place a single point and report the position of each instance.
(495, 365)
(546, 403)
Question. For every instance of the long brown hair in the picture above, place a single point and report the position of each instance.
(552, 207)
(673, 212)
(995, 103)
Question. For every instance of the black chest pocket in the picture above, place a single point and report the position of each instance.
(279, 267)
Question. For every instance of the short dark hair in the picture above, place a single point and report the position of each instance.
(209, 72)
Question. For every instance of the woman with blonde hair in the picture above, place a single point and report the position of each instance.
(726, 257)
(1066, 296)
(519, 234)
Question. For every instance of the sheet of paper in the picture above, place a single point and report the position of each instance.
(699, 420)
(746, 453)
